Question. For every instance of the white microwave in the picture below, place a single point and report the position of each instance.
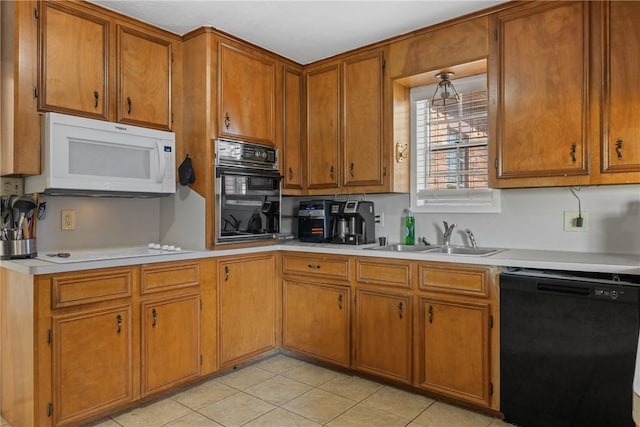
(83, 156)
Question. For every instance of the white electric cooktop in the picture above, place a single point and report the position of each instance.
(83, 255)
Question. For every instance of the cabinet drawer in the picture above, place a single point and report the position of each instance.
(385, 272)
(84, 288)
(163, 277)
(317, 265)
(454, 279)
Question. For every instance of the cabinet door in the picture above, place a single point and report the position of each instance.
(92, 363)
(362, 120)
(74, 65)
(247, 95)
(621, 151)
(383, 334)
(292, 156)
(316, 320)
(323, 127)
(170, 342)
(144, 79)
(246, 287)
(542, 56)
(454, 349)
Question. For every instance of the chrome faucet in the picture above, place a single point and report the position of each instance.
(472, 238)
(448, 230)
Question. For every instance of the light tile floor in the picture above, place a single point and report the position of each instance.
(285, 392)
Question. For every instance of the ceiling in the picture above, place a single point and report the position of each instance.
(304, 30)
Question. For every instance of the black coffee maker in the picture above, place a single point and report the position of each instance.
(354, 222)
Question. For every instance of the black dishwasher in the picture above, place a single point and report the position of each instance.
(567, 347)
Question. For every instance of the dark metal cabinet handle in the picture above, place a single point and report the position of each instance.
(400, 310)
(128, 105)
(430, 314)
(316, 266)
(290, 174)
(227, 121)
(119, 323)
(340, 301)
(227, 273)
(619, 148)
(154, 315)
(331, 172)
(574, 158)
(96, 98)
(351, 169)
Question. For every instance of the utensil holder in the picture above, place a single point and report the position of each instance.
(5, 249)
(23, 248)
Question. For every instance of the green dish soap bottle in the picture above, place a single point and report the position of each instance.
(409, 227)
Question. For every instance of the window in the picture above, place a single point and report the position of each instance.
(450, 150)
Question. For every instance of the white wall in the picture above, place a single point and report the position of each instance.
(530, 219)
(100, 222)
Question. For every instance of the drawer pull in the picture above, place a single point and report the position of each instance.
(96, 98)
(574, 157)
(351, 167)
(290, 174)
(227, 121)
(227, 273)
(619, 148)
(340, 301)
(154, 315)
(331, 172)
(119, 323)
(430, 314)
(316, 266)
(128, 105)
(400, 310)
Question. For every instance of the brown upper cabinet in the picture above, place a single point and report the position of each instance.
(291, 154)
(247, 94)
(621, 87)
(344, 145)
(74, 61)
(540, 57)
(144, 79)
(19, 130)
(323, 127)
(77, 72)
(561, 77)
(80, 59)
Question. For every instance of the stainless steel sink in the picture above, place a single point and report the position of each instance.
(403, 248)
(463, 250)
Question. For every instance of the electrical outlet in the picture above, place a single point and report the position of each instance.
(571, 222)
(380, 219)
(11, 186)
(69, 220)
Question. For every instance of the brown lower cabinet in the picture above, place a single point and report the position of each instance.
(79, 345)
(454, 349)
(92, 362)
(246, 307)
(83, 344)
(383, 334)
(170, 342)
(316, 320)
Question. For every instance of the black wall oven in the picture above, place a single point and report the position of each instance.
(247, 192)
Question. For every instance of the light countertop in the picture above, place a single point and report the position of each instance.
(540, 259)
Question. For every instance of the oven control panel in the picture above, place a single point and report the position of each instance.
(244, 154)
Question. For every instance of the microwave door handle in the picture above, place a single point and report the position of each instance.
(162, 166)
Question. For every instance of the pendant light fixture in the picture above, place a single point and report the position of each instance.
(445, 92)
